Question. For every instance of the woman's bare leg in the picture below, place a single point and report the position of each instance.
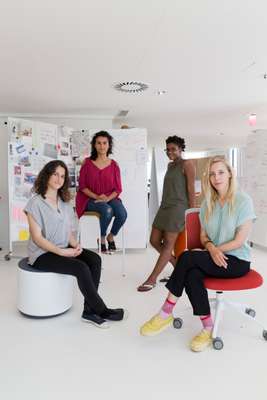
(156, 241)
(165, 251)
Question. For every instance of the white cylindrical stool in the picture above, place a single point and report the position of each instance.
(43, 294)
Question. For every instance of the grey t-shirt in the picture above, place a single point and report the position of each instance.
(56, 225)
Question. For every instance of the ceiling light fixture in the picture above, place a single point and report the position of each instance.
(161, 92)
(131, 87)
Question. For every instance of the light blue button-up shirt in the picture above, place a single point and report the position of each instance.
(221, 226)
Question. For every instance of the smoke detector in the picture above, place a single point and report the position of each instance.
(131, 87)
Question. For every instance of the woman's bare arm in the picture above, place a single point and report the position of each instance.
(190, 174)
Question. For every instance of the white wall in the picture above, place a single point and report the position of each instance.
(201, 132)
(74, 122)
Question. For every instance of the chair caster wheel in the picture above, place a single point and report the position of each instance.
(251, 312)
(177, 323)
(264, 334)
(7, 257)
(217, 343)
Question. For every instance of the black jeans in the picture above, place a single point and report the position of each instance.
(86, 268)
(191, 269)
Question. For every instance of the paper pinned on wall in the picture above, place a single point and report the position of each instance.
(141, 156)
(47, 135)
(18, 215)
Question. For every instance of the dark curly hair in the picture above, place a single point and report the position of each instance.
(180, 142)
(105, 134)
(41, 182)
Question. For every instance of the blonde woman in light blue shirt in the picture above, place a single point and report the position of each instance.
(226, 218)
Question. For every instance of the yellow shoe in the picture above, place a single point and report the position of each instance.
(201, 341)
(155, 325)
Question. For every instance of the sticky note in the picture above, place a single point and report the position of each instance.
(23, 234)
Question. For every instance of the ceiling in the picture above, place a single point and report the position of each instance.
(209, 56)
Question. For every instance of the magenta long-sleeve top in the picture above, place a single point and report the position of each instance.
(100, 181)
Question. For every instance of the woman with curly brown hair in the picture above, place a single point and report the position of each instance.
(53, 248)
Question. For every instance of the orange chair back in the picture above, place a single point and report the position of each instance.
(180, 244)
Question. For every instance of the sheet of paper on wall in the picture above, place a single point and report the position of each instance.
(47, 146)
(20, 128)
(80, 144)
(18, 187)
(141, 156)
(18, 214)
(64, 144)
(21, 151)
(37, 162)
(64, 132)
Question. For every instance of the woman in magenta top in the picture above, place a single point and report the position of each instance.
(100, 187)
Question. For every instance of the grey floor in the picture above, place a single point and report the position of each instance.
(64, 358)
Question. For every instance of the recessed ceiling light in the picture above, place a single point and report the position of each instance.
(161, 92)
(131, 87)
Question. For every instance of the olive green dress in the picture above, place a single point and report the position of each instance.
(171, 214)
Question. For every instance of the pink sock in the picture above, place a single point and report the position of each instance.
(167, 308)
(207, 322)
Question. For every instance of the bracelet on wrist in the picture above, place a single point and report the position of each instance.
(206, 242)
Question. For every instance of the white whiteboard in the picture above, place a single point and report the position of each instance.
(255, 182)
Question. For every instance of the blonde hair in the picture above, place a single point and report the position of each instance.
(211, 194)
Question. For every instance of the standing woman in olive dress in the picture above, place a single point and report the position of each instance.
(178, 195)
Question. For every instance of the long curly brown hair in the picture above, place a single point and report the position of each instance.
(41, 182)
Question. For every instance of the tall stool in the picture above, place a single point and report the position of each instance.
(123, 251)
(88, 218)
(122, 232)
(84, 229)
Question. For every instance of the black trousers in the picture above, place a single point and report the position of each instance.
(86, 268)
(191, 269)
